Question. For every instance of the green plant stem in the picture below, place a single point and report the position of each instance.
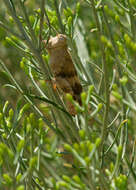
(133, 25)
(121, 6)
(32, 34)
(113, 79)
(41, 22)
(116, 136)
(133, 153)
(106, 80)
(130, 168)
(59, 17)
(116, 167)
(49, 25)
(86, 123)
(114, 120)
(123, 132)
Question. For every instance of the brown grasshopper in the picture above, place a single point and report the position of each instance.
(63, 69)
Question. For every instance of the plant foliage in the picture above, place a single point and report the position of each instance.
(42, 146)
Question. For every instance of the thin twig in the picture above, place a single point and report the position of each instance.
(32, 34)
(41, 23)
(121, 6)
(133, 25)
(106, 80)
(59, 17)
(122, 137)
